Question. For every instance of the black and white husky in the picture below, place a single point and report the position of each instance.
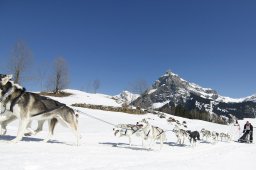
(26, 107)
(152, 133)
(206, 134)
(181, 134)
(225, 137)
(128, 130)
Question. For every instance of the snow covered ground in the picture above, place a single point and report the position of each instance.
(100, 149)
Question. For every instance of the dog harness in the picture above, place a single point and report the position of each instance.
(17, 99)
(160, 131)
(50, 110)
(133, 128)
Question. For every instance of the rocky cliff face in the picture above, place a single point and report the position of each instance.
(170, 93)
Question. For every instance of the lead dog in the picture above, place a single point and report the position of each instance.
(28, 106)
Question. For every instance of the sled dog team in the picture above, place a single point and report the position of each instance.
(16, 103)
(147, 132)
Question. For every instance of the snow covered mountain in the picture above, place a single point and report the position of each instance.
(172, 94)
(126, 97)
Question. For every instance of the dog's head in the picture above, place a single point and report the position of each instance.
(4, 78)
(176, 129)
(118, 131)
(143, 123)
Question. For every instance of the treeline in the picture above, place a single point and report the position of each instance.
(111, 108)
(180, 111)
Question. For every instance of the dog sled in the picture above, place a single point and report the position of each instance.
(245, 138)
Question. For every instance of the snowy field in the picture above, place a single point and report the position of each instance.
(100, 149)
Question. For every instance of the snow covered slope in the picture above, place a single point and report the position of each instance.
(101, 150)
(88, 98)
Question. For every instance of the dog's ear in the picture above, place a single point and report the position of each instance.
(5, 79)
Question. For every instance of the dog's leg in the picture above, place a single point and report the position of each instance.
(150, 143)
(75, 128)
(194, 142)
(77, 134)
(29, 130)
(4, 123)
(161, 141)
(142, 143)
(21, 130)
(73, 124)
(71, 121)
(178, 140)
(39, 126)
(51, 125)
(3, 129)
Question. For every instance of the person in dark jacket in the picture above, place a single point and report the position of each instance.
(248, 130)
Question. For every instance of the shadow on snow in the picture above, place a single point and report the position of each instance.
(28, 139)
(125, 146)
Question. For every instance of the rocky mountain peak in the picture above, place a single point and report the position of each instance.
(170, 79)
(172, 94)
(175, 84)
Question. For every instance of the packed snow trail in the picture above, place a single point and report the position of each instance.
(100, 149)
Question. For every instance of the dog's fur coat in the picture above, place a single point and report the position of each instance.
(181, 134)
(28, 106)
(152, 133)
(193, 137)
(128, 130)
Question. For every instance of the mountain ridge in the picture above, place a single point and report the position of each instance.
(171, 91)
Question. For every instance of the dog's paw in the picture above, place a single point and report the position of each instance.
(28, 134)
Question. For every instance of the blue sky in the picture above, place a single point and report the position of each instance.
(211, 43)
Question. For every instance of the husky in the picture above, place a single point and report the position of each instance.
(225, 136)
(128, 130)
(215, 136)
(206, 133)
(27, 106)
(181, 134)
(152, 133)
(193, 137)
(7, 117)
